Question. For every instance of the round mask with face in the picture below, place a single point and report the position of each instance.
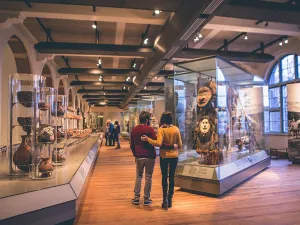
(204, 126)
(204, 96)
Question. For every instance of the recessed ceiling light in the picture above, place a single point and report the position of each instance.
(157, 12)
(94, 25)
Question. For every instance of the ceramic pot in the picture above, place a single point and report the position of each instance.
(25, 98)
(45, 167)
(60, 111)
(46, 134)
(22, 157)
(59, 155)
(26, 123)
(44, 106)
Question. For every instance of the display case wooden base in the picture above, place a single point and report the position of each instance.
(209, 180)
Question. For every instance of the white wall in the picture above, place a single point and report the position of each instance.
(8, 67)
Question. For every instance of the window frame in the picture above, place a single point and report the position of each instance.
(281, 84)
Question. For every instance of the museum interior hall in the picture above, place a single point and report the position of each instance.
(149, 112)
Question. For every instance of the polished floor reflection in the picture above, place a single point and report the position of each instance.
(271, 197)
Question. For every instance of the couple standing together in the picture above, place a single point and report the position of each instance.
(142, 142)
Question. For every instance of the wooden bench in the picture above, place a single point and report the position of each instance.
(274, 153)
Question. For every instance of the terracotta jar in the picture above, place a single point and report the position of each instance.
(60, 133)
(22, 157)
(45, 167)
(25, 98)
(59, 155)
(46, 134)
(44, 106)
(60, 109)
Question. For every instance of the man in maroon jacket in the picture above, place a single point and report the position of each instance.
(145, 155)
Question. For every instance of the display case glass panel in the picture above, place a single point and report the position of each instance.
(219, 110)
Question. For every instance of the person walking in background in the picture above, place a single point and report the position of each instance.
(110, 133)
(117, 133)
(107, 133)
(167, 134)
(145, 155)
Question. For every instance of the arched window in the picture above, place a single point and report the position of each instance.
(285, 71)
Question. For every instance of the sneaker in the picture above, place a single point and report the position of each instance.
(135, 201)
(147, 202)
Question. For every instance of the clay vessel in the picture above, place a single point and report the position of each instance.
(60, 111)
(59, 155)
(44, 106)
(25, 98)
(22, 157)
(45, 167)
(26, 123)
(46, 134)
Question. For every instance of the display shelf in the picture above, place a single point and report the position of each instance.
(57, 196)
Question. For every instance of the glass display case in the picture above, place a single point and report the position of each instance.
(44, 138)
(59, 153)
(133, 117)
(219, 110)
(24, 120)
(125, 124)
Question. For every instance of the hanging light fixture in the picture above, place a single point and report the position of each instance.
(246, 36)
(286, 41)
(280, 43)
(100, 78)
(94, 25)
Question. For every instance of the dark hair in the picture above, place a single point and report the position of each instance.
(144, 116)
(117, 122)
(166, 118)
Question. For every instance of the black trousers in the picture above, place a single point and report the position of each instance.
(168, 167)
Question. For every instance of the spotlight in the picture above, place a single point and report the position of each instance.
(196, 39)
(246, 37)
(134, 65)
(280, 43)
(94, 25)
(104, 93)
(134, 78)
(146, 41)
(124, 88)
(100, 78)
(156, 12)
(145, 88)
(155, 78)
(99, 63)
(128, 78)
(200, 35)
(286, 41)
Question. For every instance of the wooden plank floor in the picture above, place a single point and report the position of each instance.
(271, 197)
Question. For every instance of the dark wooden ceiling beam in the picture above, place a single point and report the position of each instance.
(116, 92)
(112, 84)
(87, 49)
(107, 72)
(262, 11)
(229, 55)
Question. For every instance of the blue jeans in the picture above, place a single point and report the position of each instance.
(148, 164)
